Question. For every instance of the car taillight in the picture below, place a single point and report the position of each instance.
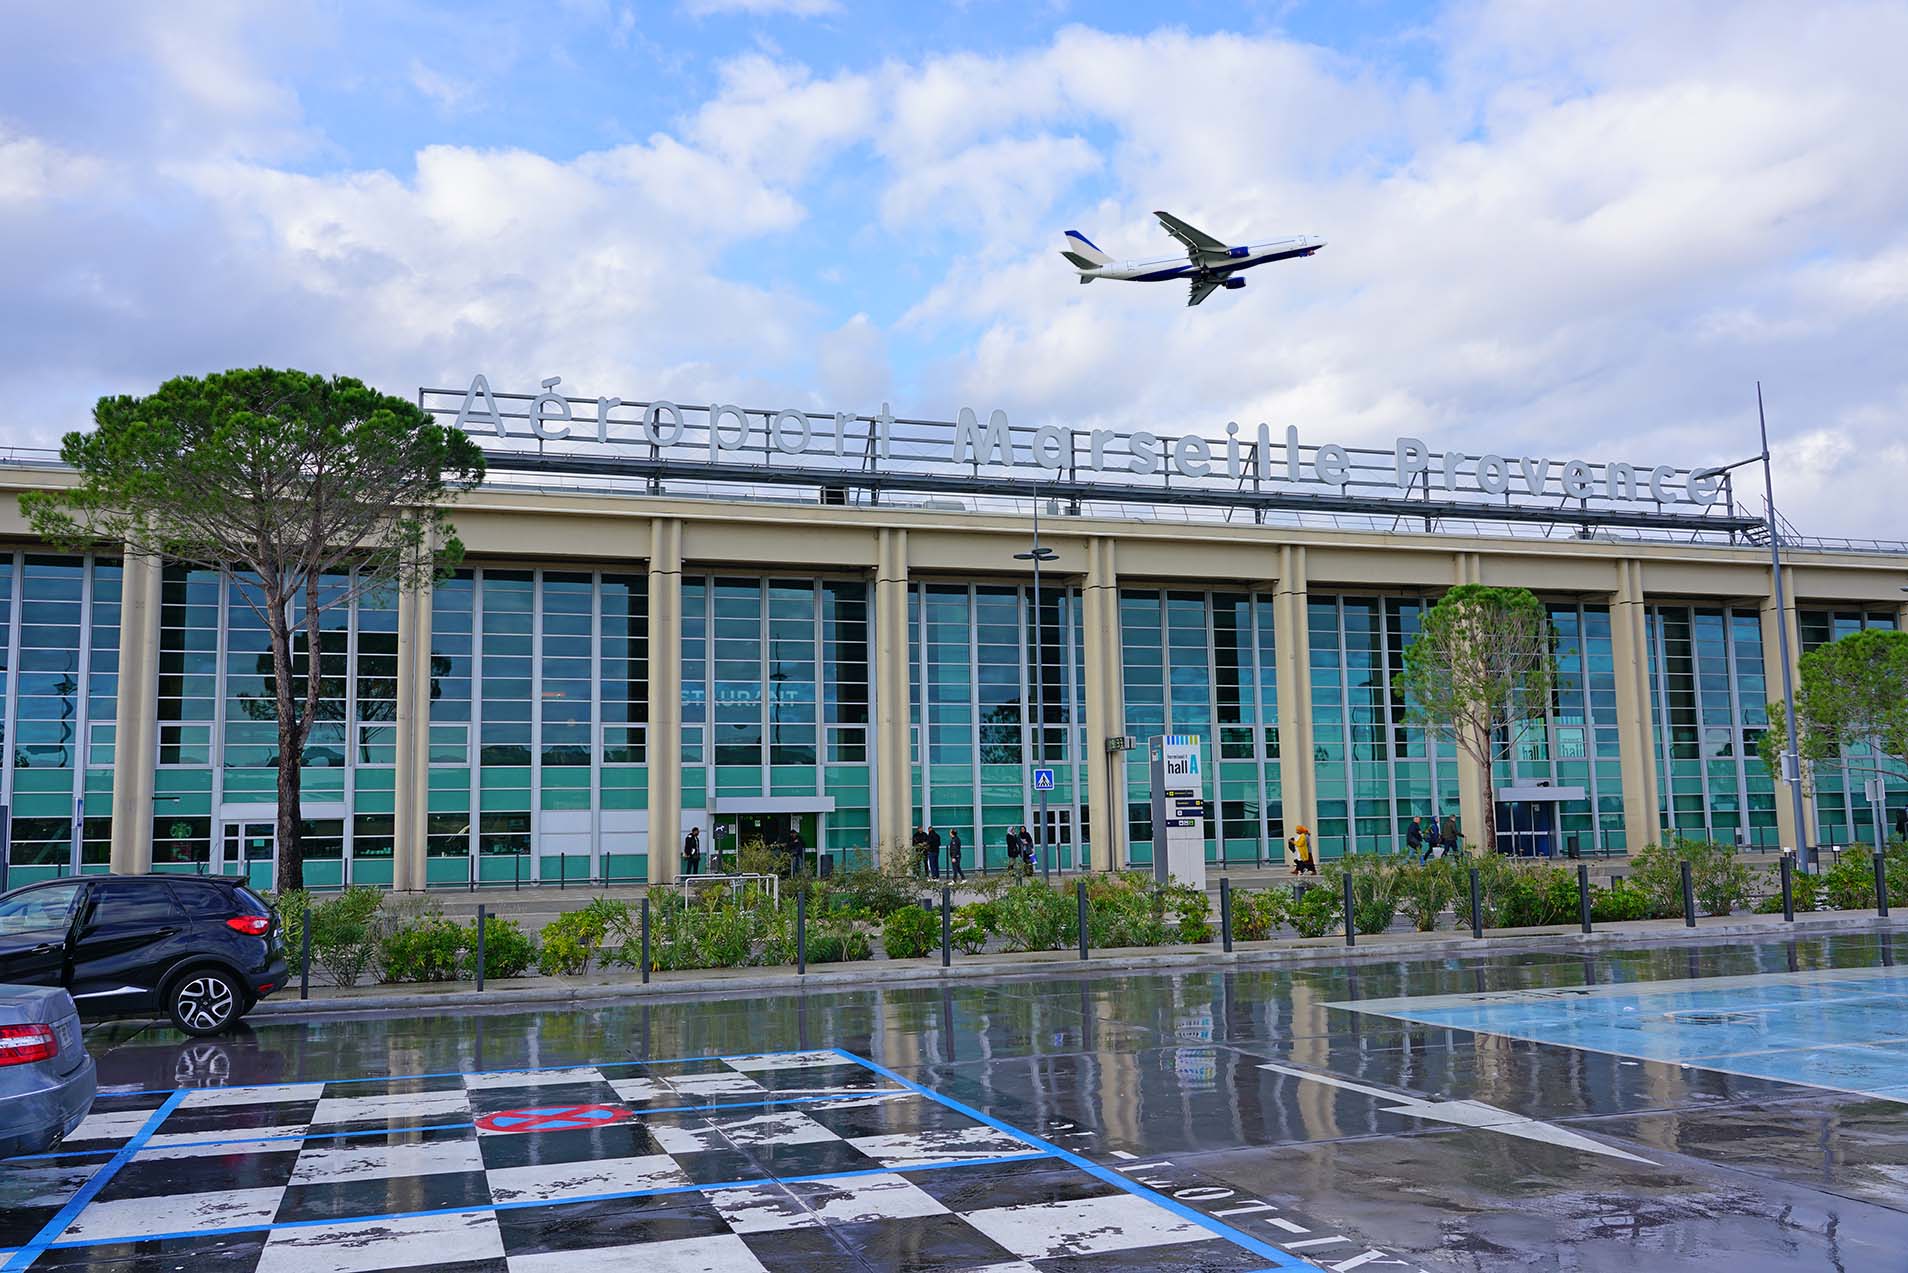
(250, 925)
(25, 1044)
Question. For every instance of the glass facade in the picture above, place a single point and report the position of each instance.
(1374, 772)
(1574, 747)
(1202, 663)
(539, 699)
(538, 745)
(60, 640)
(776, 711)
(1843, 814)
(1709, 699)
(973, 739)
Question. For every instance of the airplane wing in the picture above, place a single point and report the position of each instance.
(1200, 246)
(1201, 289)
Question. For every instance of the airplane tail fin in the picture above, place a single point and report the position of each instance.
(1084, 256)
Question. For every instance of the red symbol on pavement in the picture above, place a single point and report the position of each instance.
(554, 1118)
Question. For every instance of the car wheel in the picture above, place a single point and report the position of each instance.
(205, 1001)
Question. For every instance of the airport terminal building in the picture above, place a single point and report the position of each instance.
(774, 622)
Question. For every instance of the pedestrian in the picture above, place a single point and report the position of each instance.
(692, 852)
(1901, 823)
(1433, 840)
(1450, 836)
(933, 853)
(1414, 838)
(797, 852)
(920, 849)
(1302, 861)
(954, 854)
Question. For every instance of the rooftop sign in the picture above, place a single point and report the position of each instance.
(1243, 464)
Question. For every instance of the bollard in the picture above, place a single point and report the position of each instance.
(563, 871)
(1788, 889)
(801, 933)
(480, 947)
(1477, 906)
(1689, 897)
(1079, 894)
(645, 939)
(516, 870)
(1583, 896)
(1350, 939)
(304, 957)
(472, 862)
(1225, 913)
(947, 928)
(1881, 886)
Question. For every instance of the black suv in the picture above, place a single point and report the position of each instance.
(201, 949)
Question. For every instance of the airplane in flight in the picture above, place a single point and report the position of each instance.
(1210, 264)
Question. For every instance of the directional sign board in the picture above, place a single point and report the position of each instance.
(1179, 809)
(1043, 780)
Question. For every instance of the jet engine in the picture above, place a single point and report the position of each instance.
(1233, 284)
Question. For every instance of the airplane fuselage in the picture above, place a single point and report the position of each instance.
(1161, 269)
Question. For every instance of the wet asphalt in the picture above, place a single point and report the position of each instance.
(1161, 1077)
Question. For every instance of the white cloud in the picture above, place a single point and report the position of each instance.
(449, 95)
(32, 170)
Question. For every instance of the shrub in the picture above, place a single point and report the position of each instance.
(970, 928)
(1849, 884)
(344, 939)
(1424, 890)
(1033, 916)
(1375, 883)
(1719, 878)
(1123, 910)
(1315, 911)
(838, 940)
(291, 906)
(1256, 915)
(573, 940)
(508, 950)
(878, 892)
(427, 949)
(910, 933)
(1623, 900)
(1804, 890)
(1191, 914)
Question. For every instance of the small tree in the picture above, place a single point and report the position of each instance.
(284, 483)
(1853, 695)
(1482, 666)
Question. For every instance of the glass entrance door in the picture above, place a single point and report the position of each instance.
(774, 832)
(249, 849)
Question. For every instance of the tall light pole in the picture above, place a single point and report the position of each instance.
(1036, 555)
(1791, 755)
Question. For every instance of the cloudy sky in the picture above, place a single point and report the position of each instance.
(1567, 228)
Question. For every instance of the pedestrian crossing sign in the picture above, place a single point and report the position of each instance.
(1043, 780)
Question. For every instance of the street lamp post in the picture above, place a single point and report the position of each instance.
(1791, 754)
(1036, 555)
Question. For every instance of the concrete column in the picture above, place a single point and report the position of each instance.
(136, 734)
(1636, 725)
(1291, 650)
(664, 749)
(1786, 830)
(894, 778)
(412, 802)
(1105, 706)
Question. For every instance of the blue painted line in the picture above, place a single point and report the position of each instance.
(527, 1203)
(90, 1190)
(454, 1074)
(1280, 1259)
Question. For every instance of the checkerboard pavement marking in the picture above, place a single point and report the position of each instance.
(773, 1163)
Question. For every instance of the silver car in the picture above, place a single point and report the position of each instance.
(47, 1078)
